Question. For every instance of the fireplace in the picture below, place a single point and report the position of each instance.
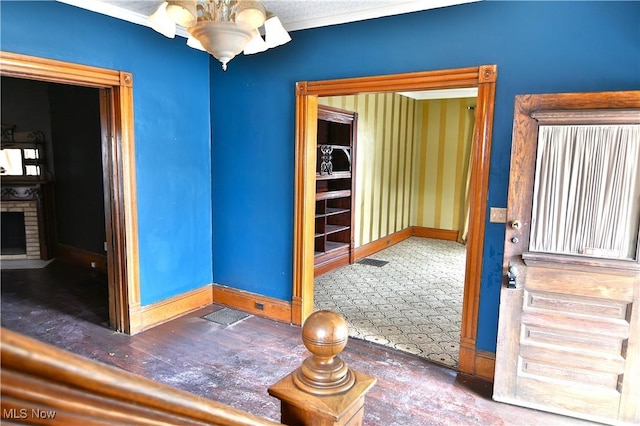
(13, 236)
(20, 227)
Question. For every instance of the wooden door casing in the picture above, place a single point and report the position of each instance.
(568, 334)
(118, 145)
(472, 361)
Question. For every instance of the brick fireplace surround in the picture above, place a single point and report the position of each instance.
(30, 210)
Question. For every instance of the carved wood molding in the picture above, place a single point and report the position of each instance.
(488, 74)
(301, 88)
(20, 193)
(116, 116)
(126, 79)
(43, 69)
(587, 116)
(440, 79)
(484, 77)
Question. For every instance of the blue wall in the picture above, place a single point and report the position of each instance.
(172, 130)
(539, 47)
(247, 172)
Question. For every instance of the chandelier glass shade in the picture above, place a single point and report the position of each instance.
(224, 28)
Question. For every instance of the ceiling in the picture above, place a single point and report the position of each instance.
(294, 14)
(468, 92)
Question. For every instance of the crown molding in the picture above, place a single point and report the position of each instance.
(118, 13)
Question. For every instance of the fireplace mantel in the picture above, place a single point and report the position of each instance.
(20, 192)
(27, 198)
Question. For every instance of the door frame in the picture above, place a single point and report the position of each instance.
(118, 157)
(307, 92)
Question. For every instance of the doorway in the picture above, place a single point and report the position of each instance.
(66, 180)
(484, 78)
(116, 122)
(405, 288)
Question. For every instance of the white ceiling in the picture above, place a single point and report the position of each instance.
(468, 92)
(294, 14)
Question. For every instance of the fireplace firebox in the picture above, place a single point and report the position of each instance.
(13, 237)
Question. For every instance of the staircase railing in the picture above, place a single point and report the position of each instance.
(42, 384)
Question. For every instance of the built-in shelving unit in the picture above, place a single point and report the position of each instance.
(335, 179)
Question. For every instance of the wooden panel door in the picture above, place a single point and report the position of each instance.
(569, 326)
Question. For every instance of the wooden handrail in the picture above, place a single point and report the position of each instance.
(41, 384)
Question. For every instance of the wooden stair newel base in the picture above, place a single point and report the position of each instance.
(324, 378)
(323, 391)
(299, 408)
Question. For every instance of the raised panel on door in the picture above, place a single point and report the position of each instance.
(573, 347)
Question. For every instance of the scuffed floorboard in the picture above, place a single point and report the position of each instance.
(67, 307)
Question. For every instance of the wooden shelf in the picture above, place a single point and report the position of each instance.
(332, 229)
(330, 211)
(334, 219)
(329, 195)
(335, 146)
(333, 246)
(334, 175)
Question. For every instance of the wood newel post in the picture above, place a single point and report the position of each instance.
(323, 391)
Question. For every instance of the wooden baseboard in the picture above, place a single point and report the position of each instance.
(412, 231)
(168, 309)
(475, 362)
(296, 311)
(485, 364)
(331, 264)
(255, 304)
(81, 257)
(438, 234)
(381, 244)
(135, 320)
(467, 356)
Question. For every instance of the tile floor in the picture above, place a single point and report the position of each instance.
(413, 303)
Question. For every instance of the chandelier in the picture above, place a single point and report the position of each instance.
(224, 28)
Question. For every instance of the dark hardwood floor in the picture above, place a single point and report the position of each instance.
(66, 306)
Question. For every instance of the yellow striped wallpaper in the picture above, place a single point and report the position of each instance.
(409, 161)
(446, 127)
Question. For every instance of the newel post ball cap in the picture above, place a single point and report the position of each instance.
(325, 333)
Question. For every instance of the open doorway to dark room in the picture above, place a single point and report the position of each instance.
(52, 169)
